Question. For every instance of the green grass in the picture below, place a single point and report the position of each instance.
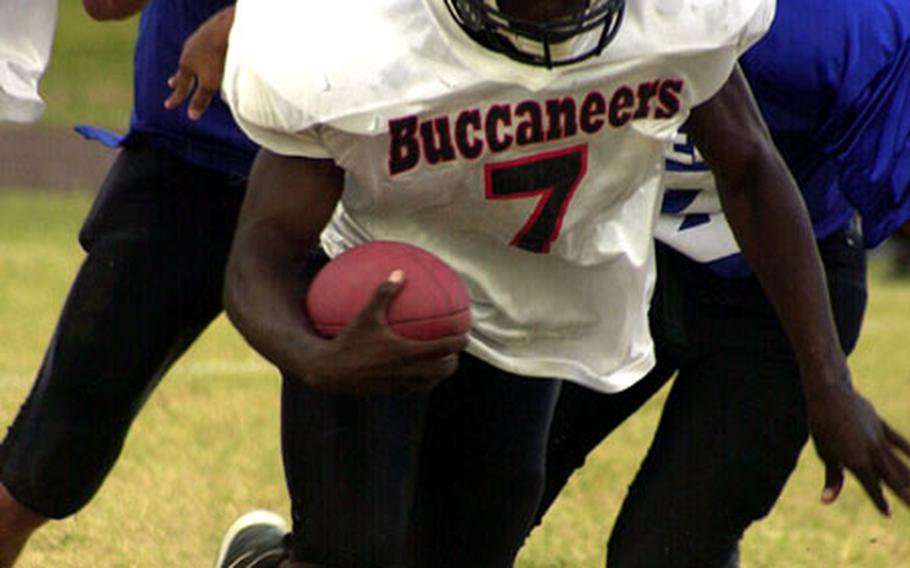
(89, 79)
(205, 449)
(206, 446)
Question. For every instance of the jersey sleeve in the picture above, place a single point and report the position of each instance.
(758, 25)
(261, 109)
(265, 117)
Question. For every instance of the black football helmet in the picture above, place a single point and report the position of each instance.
(539, 43)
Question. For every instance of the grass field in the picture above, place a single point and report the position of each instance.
(206, 446)
(89, 79)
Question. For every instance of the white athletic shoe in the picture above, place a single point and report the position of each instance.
(255, 540)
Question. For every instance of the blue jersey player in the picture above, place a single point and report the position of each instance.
(156, 240)
(837, 105)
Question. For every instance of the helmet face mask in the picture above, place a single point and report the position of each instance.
(552, 43)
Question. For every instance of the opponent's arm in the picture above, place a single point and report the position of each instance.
(762, 204)
(201, 65)
(288, 202)
(113, 9)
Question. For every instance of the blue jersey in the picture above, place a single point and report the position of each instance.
(214, 141)
(832, 79)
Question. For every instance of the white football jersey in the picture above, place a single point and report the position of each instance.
(26, 34)
(539, 186)
(692, 219)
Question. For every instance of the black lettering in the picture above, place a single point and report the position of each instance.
(561, 114)
(529, 131)
(404, 149)
(668, 96)
(495, 115)
(646, 92)
(623, 98)
(592, 108)
(470, 146)
(437, 146)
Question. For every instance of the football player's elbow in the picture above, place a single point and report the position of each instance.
(231, 293)
(756, 164)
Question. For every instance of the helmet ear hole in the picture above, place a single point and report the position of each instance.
(558, 41)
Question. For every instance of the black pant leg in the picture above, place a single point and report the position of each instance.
(449, 479)
(583, 418)
(734, 424)
(844, 258)
(350, 465)
(482, 466)
(157, 240)
(726, 444)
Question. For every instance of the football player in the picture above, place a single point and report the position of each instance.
(522, 142)
(734, 423)
(156, 240)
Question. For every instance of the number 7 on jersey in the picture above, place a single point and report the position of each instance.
(551, 176)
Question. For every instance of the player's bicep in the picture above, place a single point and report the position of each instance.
(730, 133)
(289, 201)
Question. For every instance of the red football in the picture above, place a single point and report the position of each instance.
(432, 303)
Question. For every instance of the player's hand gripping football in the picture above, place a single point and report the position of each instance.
(848, 433)
(368, 358)
(201, 65)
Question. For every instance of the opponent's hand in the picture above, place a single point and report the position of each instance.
(848, 433)
(201, 65)
(368, 358)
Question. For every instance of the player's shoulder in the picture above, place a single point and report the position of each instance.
(306, 63)
(292, 65)
(687, 26)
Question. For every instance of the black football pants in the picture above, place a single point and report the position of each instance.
(156, 239)
(446, 479)
(733, 425)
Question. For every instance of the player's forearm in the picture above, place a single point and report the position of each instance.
(288, 202)
(263, 300)
(774, 231)
(113, 9)
(769, 219)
